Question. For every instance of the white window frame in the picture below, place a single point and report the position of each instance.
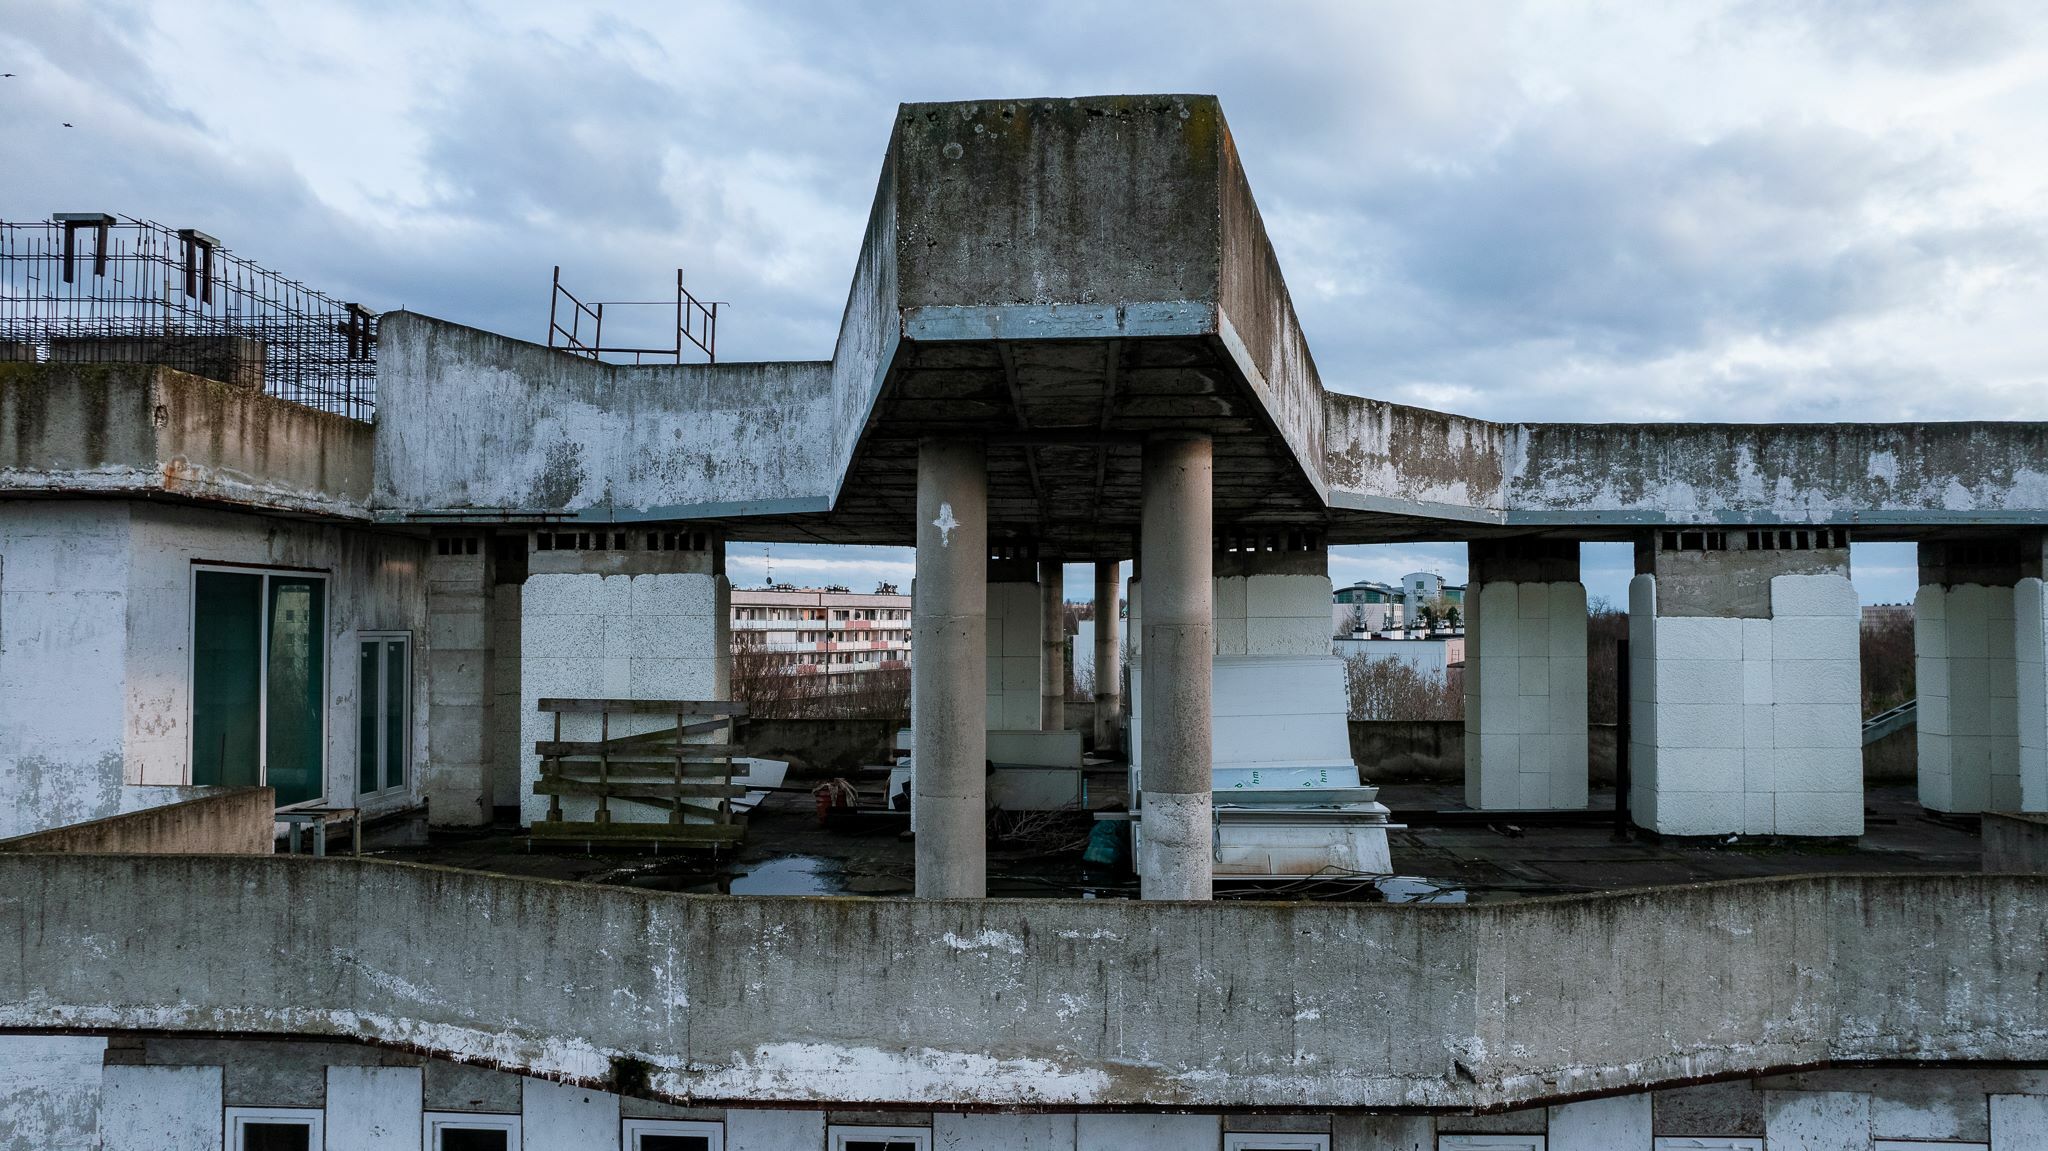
(1274, 1141)
(837, 1136)
(1492, 1143)
(630, 1131)
(432, 1123)
(1708, 1143)
(377, 636)
(263, 665)
(312, 1118)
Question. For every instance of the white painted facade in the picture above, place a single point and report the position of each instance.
(1748, 726)
(96, 614)
(1965, 670)
(55, 1095)
(1525, 695)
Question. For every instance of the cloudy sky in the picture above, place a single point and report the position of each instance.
(1819, 210)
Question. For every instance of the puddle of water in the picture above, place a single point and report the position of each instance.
(789, 875)
(1415, 889)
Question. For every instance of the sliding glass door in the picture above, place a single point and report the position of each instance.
(259, 683)
(384, 695)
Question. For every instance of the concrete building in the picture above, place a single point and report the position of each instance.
(1067, 340)
(831, 632)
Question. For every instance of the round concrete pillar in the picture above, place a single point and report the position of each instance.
(1175, 860)
(1108, 672)
(949, 670)
(1052, 639)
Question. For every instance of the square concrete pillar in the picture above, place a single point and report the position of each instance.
(459, 662)
(604, 615)
(1967, 635)
(1525, 676)
(1746, 683)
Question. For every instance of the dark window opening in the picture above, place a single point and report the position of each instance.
(473, 1139)
(277, 1137)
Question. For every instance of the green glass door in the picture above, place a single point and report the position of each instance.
(384, 696)
(259, 681)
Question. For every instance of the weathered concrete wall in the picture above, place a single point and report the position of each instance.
(460, 681)
(96, 609)
(228, 821)
(109, 429)
(2016, 841)
(1778, 473)
(1386, 457)
(1080, 1004)
(468, 420)
(50, 1092)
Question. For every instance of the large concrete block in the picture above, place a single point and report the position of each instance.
(1500, 603)
(1816, 681)
(1816, 637)
(1698, 812)
(1800, 725)
(561, 1117)
(1532, 714)
(373, 1108)
(1819, 769)
(1702, 681)
(1817, 1120)
(672, 595)
(1288, 597)
(1756, 639)
(1233, 595)
(562, 635)
(1759, 686)
(1003, 1132)
(1701, 768)
(1759, 814)
(146, 1108)
(1699, 725)
(748, 1129)
(1820, 813)
(50, 1092)
(1759, 770)
(1146, 1132)
(1618, 1123)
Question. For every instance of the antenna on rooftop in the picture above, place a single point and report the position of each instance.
(768, 556)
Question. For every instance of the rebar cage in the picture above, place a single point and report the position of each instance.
(87, 287)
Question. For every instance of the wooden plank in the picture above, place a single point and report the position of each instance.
(640, 753)
(633, 789)
(642, 706)
(707, 834)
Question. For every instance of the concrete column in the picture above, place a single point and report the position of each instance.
(1052, 659)
(1525, 676)
(1966, 634)
(1108, 672)
(949, 671)
(1746, 684)
(457, 782)
(1175, 858)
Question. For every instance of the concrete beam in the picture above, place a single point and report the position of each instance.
(1047, 1004)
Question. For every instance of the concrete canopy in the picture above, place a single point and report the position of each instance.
(1060, 278)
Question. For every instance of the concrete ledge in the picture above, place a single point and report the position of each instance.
(138, 429)
(235, 821)
(2016, 841)
(1069, 1004)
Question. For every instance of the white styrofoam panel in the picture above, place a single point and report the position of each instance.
(1814, 595)
(551, 676)
(1532, 600)
(1277, 686)
(1568, 679)
(1699, 724)
(1932, 715)
(1756, 639)
(1759, 770)
(1816, 725)
(1568, 782)
(1707, 1143)
(1758, 686)
(1287, 636)
(1532, 675)
(1700, 681)
(1500, 677)
(677, 595)
(1288, 597)
(1231, 637)
(1020, 674)
(1820, 813)
(1532, 714)
(1232, 595)
(1532, 789)
(1815, 681)
(1500, 603)
(1698, 637)
(144, 1108)
(1819, 768)
(1567, 619)
(1816, 637)
(1930, 676)
(1700, 768)
(1759, 814)
(373, 1108)
(1697, 812)
(672, 679)
(1532, 636)
(1491, 1143)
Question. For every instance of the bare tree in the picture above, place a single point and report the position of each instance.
(1389, 688)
